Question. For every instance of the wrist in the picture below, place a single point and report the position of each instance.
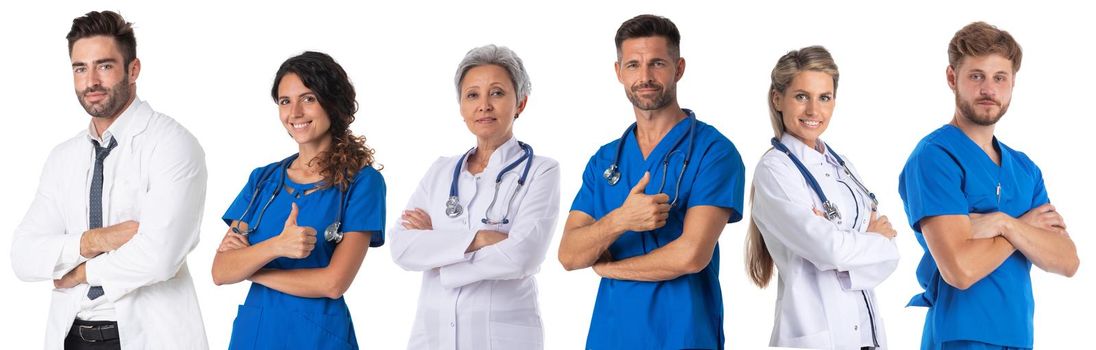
(89, 243)
(614, 223)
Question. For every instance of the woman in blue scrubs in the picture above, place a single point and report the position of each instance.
(300, 227)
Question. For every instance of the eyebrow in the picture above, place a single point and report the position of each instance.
(96, 62)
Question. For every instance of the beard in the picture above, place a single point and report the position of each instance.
(966, 109)
(661, 99)
(112, 105)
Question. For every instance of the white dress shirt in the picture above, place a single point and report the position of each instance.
(486, 299)
(827, 269)
(156, 176)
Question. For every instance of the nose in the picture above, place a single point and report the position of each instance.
(295, 110)
(485, 105)
(93, 79)
(811, 107)
(987, 90)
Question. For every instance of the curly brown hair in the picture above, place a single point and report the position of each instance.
(327, 79)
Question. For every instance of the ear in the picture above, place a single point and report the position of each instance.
(134, 70)
(952, 79)
(521, 106)
(776, 99)
(680, 68)
(616, 68)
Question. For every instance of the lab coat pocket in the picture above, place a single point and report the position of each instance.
(245, 329)
(513, 336)
(125, 201)
(820, 340)
(320, 331)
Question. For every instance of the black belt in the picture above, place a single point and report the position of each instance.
(94, 331)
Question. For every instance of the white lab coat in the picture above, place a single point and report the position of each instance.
(156, 176)
(486, 299)
(826, 269)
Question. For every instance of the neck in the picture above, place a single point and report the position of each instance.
(309, 151)
(651, 126)
(485, 147)
(102, 124)
(982, 135)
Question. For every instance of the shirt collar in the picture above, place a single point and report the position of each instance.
(805, 153)
(121, 128)
(505, 154)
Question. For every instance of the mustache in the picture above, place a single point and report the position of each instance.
(990, 99)
(646, 85)
(97, 88)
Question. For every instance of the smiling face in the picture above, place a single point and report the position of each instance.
(806, 105)
(488, 103)
(301, 113)
(648, 72)
(100, 77)
(983, 88)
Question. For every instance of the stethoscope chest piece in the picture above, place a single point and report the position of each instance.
(453, 208)
(612, 175)
(332, 234)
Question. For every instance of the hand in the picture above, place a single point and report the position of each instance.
(485, 238)
(1045, 217)
(989, 225)
(642, 212)
(74, 277)
(233, 241)
(819, 213)
(881, 225)
(104, 239)
(295, 242)
(416, 219)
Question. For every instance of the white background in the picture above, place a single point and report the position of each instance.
(210, 66)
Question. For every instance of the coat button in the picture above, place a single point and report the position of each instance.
(856, 327)
(452, 324)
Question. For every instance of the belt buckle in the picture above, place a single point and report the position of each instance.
(80, 331)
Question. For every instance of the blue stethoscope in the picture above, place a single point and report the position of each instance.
(830, 209)
(330, 234)
(453, 208)
(612, 174)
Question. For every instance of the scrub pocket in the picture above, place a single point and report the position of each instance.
(319, 331)
(245, 329)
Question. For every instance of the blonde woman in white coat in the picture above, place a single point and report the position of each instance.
(479, 225)
(828, 243)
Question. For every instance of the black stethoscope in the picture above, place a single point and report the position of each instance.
(830, 209)
(612, 174)
(330, 234)
(453, 208)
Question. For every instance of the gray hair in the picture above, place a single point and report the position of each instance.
(500, 56)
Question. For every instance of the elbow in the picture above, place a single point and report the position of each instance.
(570, 261)
(1071, 268)
(958, 278)
(335, 288)
(693, 264)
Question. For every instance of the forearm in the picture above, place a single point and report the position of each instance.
(666, 263)
(305, 283)
(975, 259)
(232, 266)
(1051, 251)
(582, 246)
(421, 250)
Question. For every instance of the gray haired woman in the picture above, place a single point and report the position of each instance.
(480, 222)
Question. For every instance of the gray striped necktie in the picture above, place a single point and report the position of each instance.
(95, 204)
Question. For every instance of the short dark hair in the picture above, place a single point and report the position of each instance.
(643, 26)
(108, 23)
(980, 39)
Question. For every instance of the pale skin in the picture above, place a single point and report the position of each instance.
(489, 107)
(806, 106)
(968, 248)
(237, 260)
(97, 62)
(646, 69)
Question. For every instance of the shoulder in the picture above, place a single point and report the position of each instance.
(713, 141)
(369, 177)
(774, 162)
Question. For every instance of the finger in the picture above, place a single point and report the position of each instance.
(661, 198)
(1045, 208)
(882, 219)
(307, 231)
(641, 186)
(874, 215)
(310, 241)
(663, 208)
(292, 219)
(819, 213)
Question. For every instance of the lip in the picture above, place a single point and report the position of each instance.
(486, 120)
(810, 124)
(300, 125)
(95, 97)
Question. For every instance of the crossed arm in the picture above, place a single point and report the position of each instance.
(969, 248)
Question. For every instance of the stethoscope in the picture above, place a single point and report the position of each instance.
(830, 209)
(453, 208)
(330, 234)
(612, 174)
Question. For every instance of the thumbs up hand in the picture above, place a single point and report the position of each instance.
(295, 242)
(643, 212)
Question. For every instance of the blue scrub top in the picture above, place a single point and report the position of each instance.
(270, 319)
(686, 312)
(948, 174)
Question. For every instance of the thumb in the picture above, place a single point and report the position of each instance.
(292, 219)
(641, 186)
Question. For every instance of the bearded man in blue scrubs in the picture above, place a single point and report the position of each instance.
(979, 208)
(652, 206)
